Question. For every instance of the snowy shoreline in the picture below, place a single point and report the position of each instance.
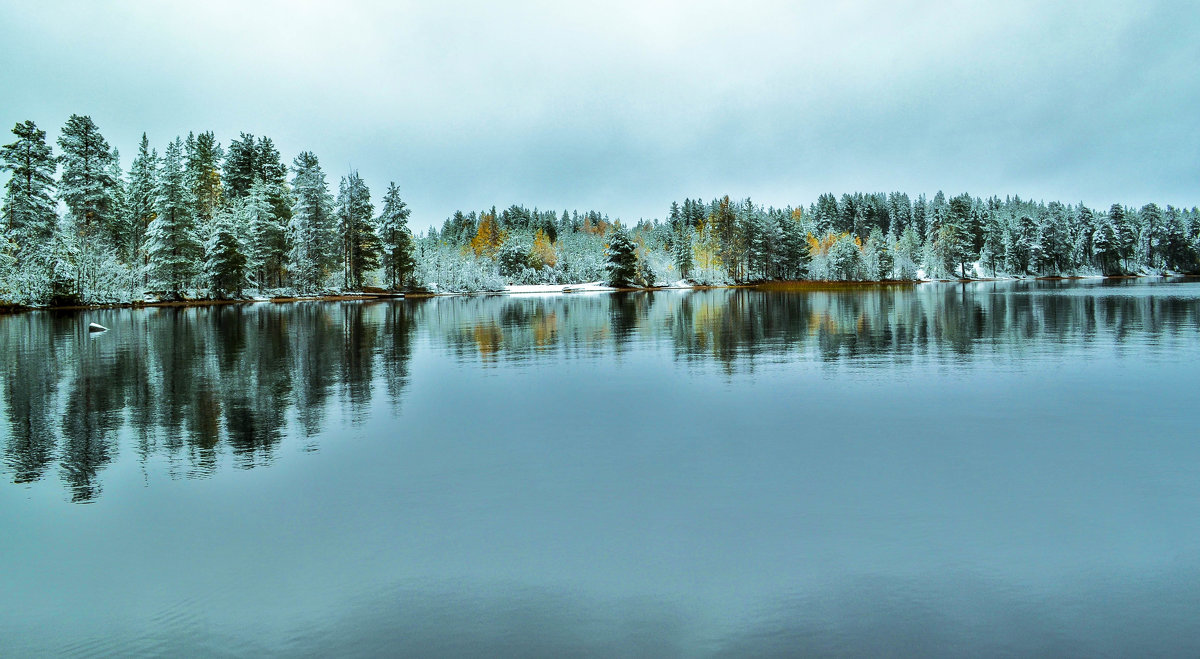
(528, 290)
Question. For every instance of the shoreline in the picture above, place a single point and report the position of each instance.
(562, 289)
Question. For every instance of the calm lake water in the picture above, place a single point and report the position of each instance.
(1007, 468)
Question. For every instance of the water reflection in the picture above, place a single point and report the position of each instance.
(194, 384)
(186, 381)
(872, 325)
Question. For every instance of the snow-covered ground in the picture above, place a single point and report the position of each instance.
(589, 287)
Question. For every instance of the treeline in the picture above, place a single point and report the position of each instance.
(203, 220)
(199, 219)
(857, 237)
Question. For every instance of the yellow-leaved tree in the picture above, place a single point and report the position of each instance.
(543, 249)
(488, 237)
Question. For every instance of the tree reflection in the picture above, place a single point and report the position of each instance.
(206, 386)
(189, 384)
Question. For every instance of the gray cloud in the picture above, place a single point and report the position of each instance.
(623, 107)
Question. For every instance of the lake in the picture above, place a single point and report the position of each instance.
(983, 469)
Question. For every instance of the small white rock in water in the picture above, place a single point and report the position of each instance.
(93, 327)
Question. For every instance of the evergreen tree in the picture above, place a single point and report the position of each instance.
(1107, 249)
(845, 259)
(1150, 235)
(1175, 247)
(140, 200)
(1126, 240)
(241, 166)
(312, 230)
(681, 252)
(675, 217)
(877, 258)
(225, 263)
(397, 239)
(794, 252)
(203, 156)
(30, 210)
(621, 259)
(87, 184)
(172, 243)
(121, 224)
(360, 244)
(266, 236)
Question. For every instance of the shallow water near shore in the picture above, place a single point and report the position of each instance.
(991, 468)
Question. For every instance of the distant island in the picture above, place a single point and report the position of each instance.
(207, 222)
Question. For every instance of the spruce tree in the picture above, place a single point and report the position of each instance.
(396, 238)
(87, 184)
(203, 156)
(1107, 249)
(682, 250)
(120, 226)
(225, 264)
(360, 245)
(141, 199)
(622, 259)
(266, 236)
(173, 246)
(311, 231)
(241, 165)
(30, 210)
(794, 250)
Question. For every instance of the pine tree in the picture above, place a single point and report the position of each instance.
(140, 200)
(87, 184)
(241, 166)
(172, 244)
(1107, 249)
(120, 226)
(266, 236)
(845, 259)
(203, 156)
(360, 244)
(682, 250)
(225, 264)
(312, 231)
(1126, 240)
(30, 210)
(794, 249)
(621, 258)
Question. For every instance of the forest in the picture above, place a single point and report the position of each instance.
(206, 221)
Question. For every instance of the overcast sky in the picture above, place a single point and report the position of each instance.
(623, 107)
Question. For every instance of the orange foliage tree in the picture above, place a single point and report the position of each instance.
(488, 238)
(543, 249)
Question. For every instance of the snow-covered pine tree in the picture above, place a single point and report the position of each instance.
(794, 250)
(140, 201)
(360, 244)
(241, 165)
(311, 231)
(225, 257)
(86, 187)
(30, 210)
(1123, 233)
(172, 244)
(30, 217)
(120, 226)
(1107, 248)
(396, 238)
(622, 259)
(203, 155)
(682, 250)
(266, 236)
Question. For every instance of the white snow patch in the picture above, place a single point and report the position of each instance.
(542, 289)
